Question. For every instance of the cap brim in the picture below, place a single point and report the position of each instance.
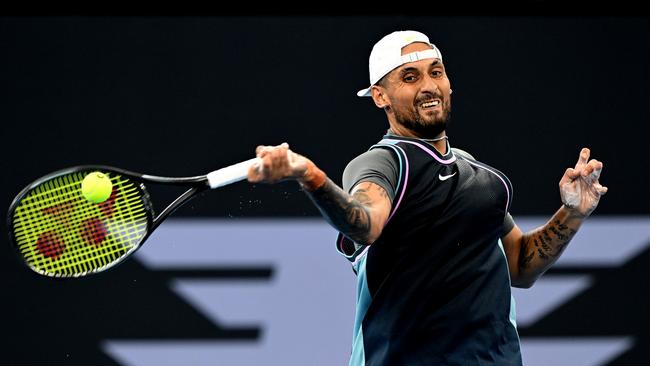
(365, 92)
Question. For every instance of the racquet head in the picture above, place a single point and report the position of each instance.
(60, 233)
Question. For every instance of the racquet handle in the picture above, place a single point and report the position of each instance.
(230, 174)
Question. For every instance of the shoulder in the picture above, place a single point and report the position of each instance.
(373, 157)
(376, 165)
(462, 153)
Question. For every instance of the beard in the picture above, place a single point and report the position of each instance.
(427, 127)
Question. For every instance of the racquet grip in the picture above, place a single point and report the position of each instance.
(230, 174)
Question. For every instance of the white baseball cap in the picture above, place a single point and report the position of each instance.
(386, 55)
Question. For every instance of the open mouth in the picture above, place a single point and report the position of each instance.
(430, 104)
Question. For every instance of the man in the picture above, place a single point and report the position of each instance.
(427, 227)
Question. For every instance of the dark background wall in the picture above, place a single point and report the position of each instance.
(181, 96)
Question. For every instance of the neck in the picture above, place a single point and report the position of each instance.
(439, 142)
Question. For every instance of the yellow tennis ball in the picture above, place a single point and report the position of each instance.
(96, 187)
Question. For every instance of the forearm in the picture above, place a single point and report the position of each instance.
(344, 212)
(359, 215)
(540, 248)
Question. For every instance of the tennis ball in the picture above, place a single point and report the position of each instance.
(96, 187)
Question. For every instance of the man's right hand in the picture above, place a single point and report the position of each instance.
(279, 163)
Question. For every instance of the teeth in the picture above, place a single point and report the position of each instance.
(430, 104)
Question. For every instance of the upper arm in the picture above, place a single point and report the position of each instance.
(371, 179)
(512, 247)
(375, 199)
(379, 166)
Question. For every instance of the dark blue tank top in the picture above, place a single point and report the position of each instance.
(434, 288)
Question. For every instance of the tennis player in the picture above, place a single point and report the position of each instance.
(427, 226)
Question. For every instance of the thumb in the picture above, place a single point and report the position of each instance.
(569, 175)
(300, 167)
(254, 173)
(572, 173)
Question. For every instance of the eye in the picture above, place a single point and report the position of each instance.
(409, 78)
(436, 73)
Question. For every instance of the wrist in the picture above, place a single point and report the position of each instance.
(573, 212)
(313, 178)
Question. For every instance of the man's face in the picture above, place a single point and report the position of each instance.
(419, 94)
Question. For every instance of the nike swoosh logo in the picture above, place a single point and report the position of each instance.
(445, 177)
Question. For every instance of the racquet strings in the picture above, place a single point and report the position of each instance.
(59, 233)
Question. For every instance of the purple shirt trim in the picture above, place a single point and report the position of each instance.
(440, 160)
(501, 179)
(406, 180)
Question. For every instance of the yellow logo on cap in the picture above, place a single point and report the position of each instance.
(409, 38)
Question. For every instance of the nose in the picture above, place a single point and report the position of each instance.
(429, 85)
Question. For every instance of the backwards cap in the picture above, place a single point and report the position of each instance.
(387, 55)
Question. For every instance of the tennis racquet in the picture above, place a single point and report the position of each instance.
(59, 233)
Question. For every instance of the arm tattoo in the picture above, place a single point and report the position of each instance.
(542, 254)
(524, 261)
(346, 213)
(362, 196)
(548, 242)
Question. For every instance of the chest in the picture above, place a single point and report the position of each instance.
(464, 189)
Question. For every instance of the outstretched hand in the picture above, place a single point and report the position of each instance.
(277, 163)
(579, 187)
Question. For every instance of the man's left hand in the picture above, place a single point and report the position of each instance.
(579, 187)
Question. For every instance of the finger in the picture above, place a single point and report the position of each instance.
(262, 151)
(253, 175)
(592, 169)
(568, 177)
(272, 164)
(596, 174)
(583, 158)
(602, 189)
(594, 162)
(265, 167)
(597, 164)
(276, 161)
(255, 172)
(291, 157)
(596, 168)
(570, 174)
(279, 155)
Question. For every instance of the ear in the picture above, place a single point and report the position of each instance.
(379, 96)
